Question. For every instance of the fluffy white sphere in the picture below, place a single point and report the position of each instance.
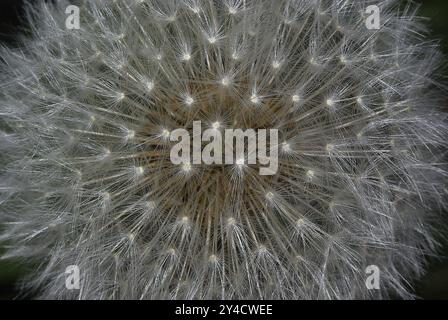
(86, 177)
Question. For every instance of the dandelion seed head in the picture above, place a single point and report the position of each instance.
(89, 121)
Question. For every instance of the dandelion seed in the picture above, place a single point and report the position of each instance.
(255, 99)
(276, 64)
(130, 134)
(310, 174)
(359, 135)
(150, 205)
(186, 57)
(225, 81)
(196, 10)
(120, 96)
(106, 196)
(149, 85)
(262, 249)
(139, 171)
(359, 100)
(314, 62)
(286, 147)
(106, 153)
(171, 18)
(240, 163)
(186, 167)
(166, 133)
(231, 221)
(189, 100)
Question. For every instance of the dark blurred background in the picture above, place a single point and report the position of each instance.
(434, 285)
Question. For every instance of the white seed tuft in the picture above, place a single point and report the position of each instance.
(88, 119)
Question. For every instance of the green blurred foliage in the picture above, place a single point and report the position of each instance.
(437, 11)
(434, 285)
